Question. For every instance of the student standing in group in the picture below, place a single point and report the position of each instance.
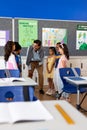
(10, 63)
(57, 54)
(63, 50)
(18, 57)
(9, 57)
(35, 55)
(55, 68)
(50, 70)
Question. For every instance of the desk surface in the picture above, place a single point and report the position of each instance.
(78, 81)
(57, 123)
(27, 82)
(73, 112)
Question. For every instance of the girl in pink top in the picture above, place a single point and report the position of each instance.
(9, 56)
(10, 62)
(63, 50)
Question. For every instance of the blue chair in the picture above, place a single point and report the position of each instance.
(9, 73)
(12, 73)
(2, 73)
(69, 88)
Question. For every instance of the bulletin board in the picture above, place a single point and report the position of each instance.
(5, 32)
(71, 28)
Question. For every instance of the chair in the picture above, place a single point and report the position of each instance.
(9, 73)
(69, 88)
(2, 73)
(12, 73)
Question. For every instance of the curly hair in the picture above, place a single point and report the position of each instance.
(38, 42)
(8, 49)
(17, 46)
(53, 49)
(65, 49)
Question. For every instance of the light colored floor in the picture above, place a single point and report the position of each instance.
(73, 98)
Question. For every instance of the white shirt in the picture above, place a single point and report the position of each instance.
(11, 63)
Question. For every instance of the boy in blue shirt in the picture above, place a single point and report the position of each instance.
(56, 64)
(18, 57)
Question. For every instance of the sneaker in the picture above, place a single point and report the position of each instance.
(41, 91)
(50, 92)
(58, 95)
(53, 92)
(47, 92)
(54, 95)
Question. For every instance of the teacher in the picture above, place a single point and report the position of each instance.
(35, 55)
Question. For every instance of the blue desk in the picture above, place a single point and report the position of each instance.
(28, 85)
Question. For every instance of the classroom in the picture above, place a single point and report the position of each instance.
(41, 25)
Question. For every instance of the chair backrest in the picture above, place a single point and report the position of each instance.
(2, 73)
(69, 72)
(14, 73)
(9, 73)
(65, 72)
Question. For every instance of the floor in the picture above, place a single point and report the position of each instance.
(73, 98)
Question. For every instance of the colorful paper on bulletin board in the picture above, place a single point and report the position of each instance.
(4, 37)
(28, 32)
(81, 37)
(50, 36)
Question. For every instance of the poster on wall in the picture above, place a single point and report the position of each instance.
(28, 32)
(4, 37)
(50, 36)
(81, 37)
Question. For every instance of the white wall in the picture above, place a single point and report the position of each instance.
(79, 61)
(75, 61)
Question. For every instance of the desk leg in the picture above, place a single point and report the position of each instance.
(78, 93)
(26, 93)
(31, 93)
(78, 105)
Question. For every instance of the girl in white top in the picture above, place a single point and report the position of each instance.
(9, 57)
(10, 62)
(63, 50)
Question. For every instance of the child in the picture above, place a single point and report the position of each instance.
(57, 54)
(50, 70)
(9, 57)
(18, 57)
(63, 50)
(10, 63)
(56, 64)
